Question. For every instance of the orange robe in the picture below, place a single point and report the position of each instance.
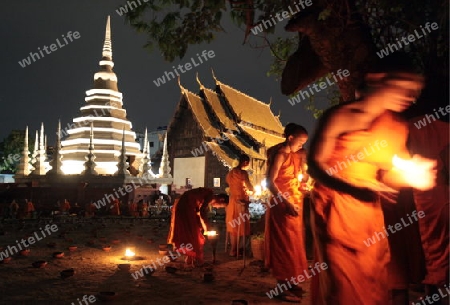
(284, 235)
(115, 208)
(237, 214)
(432, 141)
(342, 224)
(185, 227)
(133, 209)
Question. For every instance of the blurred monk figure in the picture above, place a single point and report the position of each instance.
(284, 233)
(90, 209)
(65, 207)
(133, 209)
(237, 209)
(189, 222)
(29, 208)
(432, 141)
(115, 208)
(351, 158)
(145, 209)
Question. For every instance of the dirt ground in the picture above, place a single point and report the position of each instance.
(97, 270)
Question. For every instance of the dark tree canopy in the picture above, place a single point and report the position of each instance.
(327, 35)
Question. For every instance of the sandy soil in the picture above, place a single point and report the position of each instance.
(96, 270)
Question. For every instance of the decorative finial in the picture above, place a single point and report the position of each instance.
(213, 75)
(198, 81)
(270, 102)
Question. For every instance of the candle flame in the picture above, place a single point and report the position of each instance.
(417, 172)
(128, 252)
(257, 190)
(300, 177)
(210, 233)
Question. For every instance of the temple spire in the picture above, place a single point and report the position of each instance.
(122, 165)
(36, 148)
(39, 166)
(23, 168)
(56, 163)
(107, 46)
(164, 168)
(145, 168)
(89, 165)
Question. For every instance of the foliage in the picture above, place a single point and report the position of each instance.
(173, 25)
(12, 145)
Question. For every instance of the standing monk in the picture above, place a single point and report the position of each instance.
(351, 158)
(284, 232)
(239, 201)
(189, 221)
(432, 141)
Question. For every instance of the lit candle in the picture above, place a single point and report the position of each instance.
(257, 191)
(129, 253)
(300, 177)
(417, 172)
(210, 233)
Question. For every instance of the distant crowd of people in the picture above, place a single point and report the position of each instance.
(142, 206)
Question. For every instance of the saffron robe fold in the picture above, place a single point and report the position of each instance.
(237, 214)
(284, 234)
(185, 226)
(432, 141)
(342, 225)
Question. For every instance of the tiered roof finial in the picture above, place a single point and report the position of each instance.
(198, 81)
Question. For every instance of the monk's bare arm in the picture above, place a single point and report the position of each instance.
(247, 182)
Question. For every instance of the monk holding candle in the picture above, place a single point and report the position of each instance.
(351, 158)
(284, 233)
(189, 221)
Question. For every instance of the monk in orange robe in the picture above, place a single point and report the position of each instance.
(237, 216)
(432, 141)
(189, 221)
(351, 158)
(65, 207)
(115, 208)
(29, 208)
(133, 209)
(284, 233)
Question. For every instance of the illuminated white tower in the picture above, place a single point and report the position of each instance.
(104, 109)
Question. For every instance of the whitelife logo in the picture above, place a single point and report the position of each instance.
(53, 47)
(406, 39)
(187, 66)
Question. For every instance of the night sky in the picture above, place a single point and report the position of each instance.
(54, 86)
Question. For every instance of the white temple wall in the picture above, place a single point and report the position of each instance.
(192, 168)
